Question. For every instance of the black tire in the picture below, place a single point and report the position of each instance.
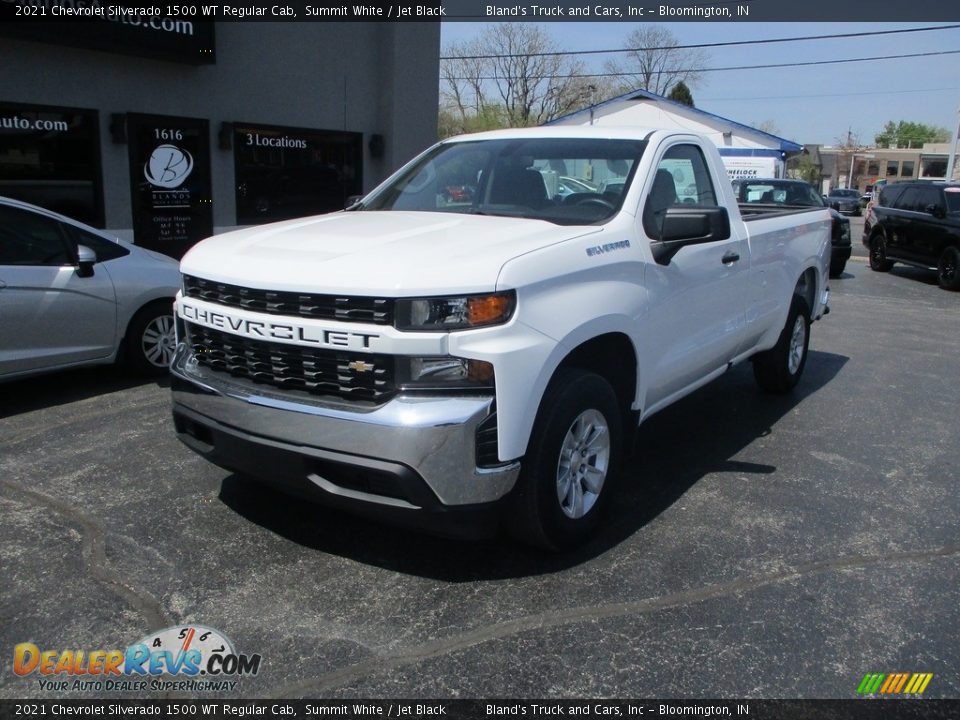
(878, 254)
(837, 271)
(778, 369)
(544, 511)
(948, 269)
(149, 343)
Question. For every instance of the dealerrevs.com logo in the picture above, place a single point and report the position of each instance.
(182, 658)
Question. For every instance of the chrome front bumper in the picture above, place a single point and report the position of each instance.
(434, 438)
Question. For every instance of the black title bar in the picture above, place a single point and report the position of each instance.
(639, 11)
(855, 709)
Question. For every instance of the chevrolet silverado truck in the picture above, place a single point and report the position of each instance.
(463, 362)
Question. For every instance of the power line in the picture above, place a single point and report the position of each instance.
(719, 69)
(817, 95)
(700, 45)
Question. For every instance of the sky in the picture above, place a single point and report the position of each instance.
(814, 104)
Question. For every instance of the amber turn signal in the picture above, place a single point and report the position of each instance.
(489, 309)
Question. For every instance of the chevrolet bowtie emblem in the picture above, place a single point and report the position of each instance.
(360, 366)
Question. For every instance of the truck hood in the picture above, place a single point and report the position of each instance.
(375, 253)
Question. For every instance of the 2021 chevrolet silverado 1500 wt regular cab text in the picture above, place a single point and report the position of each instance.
(439, 356)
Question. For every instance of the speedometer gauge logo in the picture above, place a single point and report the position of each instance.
(187, 650)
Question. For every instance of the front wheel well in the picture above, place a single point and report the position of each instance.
(806, 288)
(613, 357)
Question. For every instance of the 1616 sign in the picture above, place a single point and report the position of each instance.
(170, 182)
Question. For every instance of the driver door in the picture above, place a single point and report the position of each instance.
(697, 315)
(49, 316)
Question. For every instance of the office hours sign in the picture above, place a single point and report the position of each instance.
(169, 182)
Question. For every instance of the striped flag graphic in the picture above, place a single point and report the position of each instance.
(894, 683)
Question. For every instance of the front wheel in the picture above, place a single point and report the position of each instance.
(837, 270)
(878, 254)
(571, 463)
(778, 369)
(151, 339)
(948, 269)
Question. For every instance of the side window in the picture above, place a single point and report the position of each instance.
(929, 196)
(30, 239)
(890, 194)
(907, 200)
(681, 178)
(105, 249)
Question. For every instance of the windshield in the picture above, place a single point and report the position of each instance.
(778, 193)
(567, 181)
(845, 193)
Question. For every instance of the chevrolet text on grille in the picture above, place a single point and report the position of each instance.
(277, 331)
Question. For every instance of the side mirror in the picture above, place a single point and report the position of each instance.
(689, 225)
(86, 258)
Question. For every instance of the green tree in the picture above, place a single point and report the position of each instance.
(681, 94)
(905, 134)
(802, 167)
(489, 117)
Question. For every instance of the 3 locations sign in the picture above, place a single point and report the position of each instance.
(286, 172)
(169, 182)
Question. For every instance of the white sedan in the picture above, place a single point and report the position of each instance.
(71, 295)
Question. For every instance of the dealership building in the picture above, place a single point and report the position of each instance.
(746, 151)
(165, 132)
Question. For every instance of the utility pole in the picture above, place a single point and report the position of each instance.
(952, 151)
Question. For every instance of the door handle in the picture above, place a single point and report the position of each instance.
(730, 258)
(2, 284)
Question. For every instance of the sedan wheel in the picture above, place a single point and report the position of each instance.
(151, 339)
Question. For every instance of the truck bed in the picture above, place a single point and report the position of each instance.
(752, 211)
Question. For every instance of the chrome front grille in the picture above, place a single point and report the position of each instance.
(352, 376)
(377, 311)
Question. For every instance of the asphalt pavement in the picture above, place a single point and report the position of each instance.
(761, 547)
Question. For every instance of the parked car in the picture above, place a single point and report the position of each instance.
(797, 193)
(916, 223)
(71, 295)
(844, 201)
(570, 185)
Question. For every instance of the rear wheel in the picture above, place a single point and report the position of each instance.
(572, 462)
(779, 369)
(948, 269)
(151, 339)
(878, 254)
(837, 270)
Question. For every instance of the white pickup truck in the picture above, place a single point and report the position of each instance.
(473, 341)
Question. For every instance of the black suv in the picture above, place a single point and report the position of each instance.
(917, 223)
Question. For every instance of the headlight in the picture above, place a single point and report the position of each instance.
(443, 373)
(455, 313)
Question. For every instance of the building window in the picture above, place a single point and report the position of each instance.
(873, 168)
(50, 156)
(892, 167)
(292, 172)
(906, 168)
(933, 168)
